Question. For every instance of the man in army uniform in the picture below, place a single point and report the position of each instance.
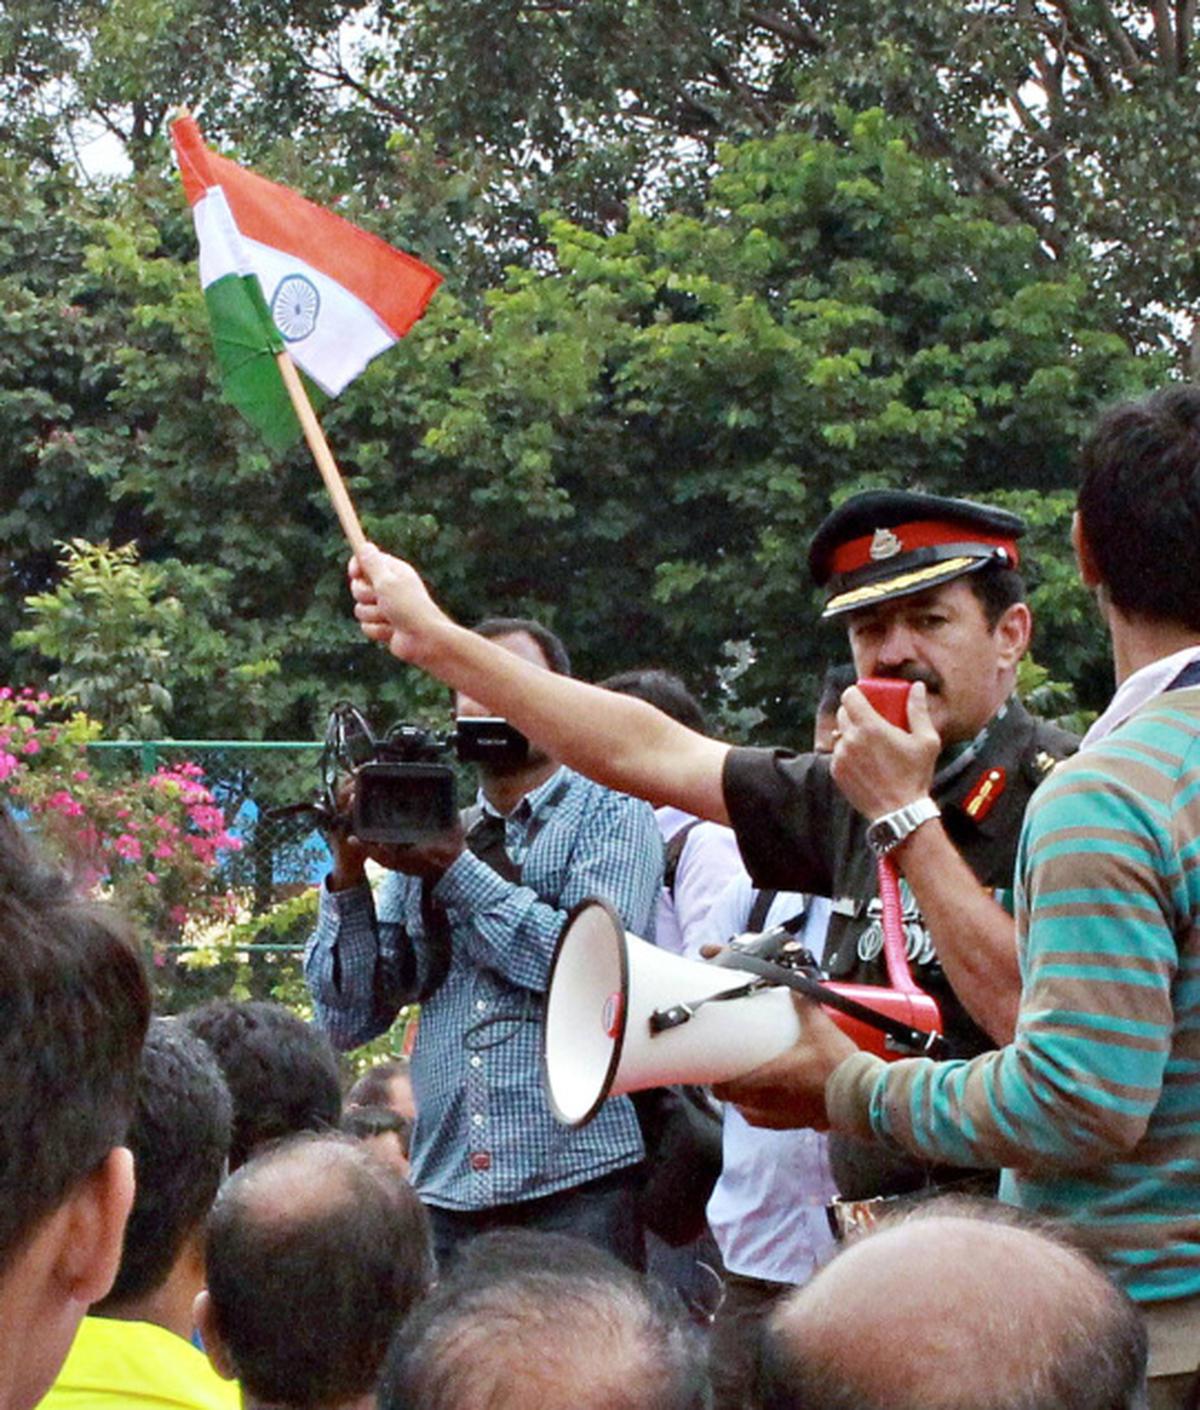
(930, 593)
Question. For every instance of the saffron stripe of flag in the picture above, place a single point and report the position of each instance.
(279, 271)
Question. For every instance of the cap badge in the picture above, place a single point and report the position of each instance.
(885, 544)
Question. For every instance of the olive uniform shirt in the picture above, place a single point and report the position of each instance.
(798, 833)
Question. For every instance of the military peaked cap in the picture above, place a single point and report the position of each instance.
(889, 543)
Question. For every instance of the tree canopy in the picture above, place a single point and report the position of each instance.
(1075, 117)
(632, 434)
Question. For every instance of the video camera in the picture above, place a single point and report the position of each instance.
(403, 786)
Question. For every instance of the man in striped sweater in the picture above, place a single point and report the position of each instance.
(1093, 1110)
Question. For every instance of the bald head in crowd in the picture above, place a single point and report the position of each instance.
(956, 1308)
(315, 1253)
(532, 1319)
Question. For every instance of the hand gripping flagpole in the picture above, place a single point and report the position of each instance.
(334, 483)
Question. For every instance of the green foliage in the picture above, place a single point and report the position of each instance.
(634, 440)
(467, 121)
(112, 634)
(640, 441)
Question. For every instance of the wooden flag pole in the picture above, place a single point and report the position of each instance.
(346, 513)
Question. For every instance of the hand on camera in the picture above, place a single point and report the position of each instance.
(428, 860)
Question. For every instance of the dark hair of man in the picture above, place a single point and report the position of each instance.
(362, 1122)
(502, 1252)
(180, 1142)
(314, 1236)
(74, 1005)
(554, 652)
(997, 589)
(663, 690)
(556, 1324)
(1100, 1341)
(1139, 504)
(834, 684)
(282, 1072)
(373, 1088)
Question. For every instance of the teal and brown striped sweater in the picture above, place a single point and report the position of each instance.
(1093, 1110)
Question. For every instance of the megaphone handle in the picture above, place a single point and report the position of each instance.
(895, 948)
(920, 1041)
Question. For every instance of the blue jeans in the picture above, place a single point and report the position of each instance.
(603, 1212)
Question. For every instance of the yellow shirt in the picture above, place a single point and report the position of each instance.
(114, 1363)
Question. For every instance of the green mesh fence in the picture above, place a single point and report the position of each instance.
(276, 867)
(278, 856)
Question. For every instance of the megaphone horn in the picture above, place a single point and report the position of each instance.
(618, 1017)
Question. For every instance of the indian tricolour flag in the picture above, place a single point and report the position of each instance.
(279, 272)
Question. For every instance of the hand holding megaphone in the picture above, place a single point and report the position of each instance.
(789, 1090)
(623, 1015)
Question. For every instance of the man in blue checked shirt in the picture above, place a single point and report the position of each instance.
(467, 925)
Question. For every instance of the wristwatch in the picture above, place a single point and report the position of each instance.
(887, 832)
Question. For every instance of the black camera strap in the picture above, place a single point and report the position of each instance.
(484, 836)
(485, 833)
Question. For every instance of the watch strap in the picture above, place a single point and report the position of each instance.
(888, 831)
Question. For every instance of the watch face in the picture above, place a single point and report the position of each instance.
(882, 836)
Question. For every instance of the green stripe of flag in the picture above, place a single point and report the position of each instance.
(246, 341)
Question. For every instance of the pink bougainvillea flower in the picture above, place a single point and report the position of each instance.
(207, 818)
(62, 802)
(128, 847)
(31, 746)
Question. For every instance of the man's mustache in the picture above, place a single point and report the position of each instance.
(928, 678)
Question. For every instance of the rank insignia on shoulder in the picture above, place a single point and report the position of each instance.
(982, 798)
(1045, 763)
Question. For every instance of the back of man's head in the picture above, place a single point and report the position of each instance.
(543, 1320)
(75, 1008)
(315, 1253)
(1139, 504)
(554, 653)
(387, 1083)
(662, 689)
(282, 1073)
(180, 1143)
(956, 1308)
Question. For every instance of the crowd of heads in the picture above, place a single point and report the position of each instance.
(312, 1261)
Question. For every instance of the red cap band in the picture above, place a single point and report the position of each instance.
(921, 533)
